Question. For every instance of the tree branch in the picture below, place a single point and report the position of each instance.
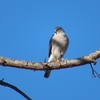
(15, 88)
(91, 58)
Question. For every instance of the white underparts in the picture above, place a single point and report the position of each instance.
(51, 58)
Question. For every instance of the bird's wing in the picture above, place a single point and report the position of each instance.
(50, 46)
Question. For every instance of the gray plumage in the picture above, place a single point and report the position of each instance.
(57, 46)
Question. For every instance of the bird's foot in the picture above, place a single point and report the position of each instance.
(58, 60)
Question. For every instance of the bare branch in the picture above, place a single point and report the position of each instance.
(15, 88)
(91, 58)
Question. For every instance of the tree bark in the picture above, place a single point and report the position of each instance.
(90, 58)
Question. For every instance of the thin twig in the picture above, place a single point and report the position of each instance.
(94, 73)
(14, 88)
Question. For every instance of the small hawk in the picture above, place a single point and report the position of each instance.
(57, 46)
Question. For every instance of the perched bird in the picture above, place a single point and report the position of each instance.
(57, 47)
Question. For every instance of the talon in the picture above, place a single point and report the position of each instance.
(58, 60)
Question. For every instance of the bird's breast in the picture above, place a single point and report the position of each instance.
(60, 44)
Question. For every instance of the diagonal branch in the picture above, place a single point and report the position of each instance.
(91, 58)
(15, 88)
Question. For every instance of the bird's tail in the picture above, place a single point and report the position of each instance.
(47, 73)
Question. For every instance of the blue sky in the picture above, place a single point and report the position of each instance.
(25, 30)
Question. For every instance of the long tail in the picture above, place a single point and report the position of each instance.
(47, 73)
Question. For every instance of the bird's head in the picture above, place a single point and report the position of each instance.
(58, 30)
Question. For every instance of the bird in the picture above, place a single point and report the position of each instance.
(58, 45)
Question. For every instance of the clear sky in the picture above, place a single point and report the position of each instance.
(25, 29)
